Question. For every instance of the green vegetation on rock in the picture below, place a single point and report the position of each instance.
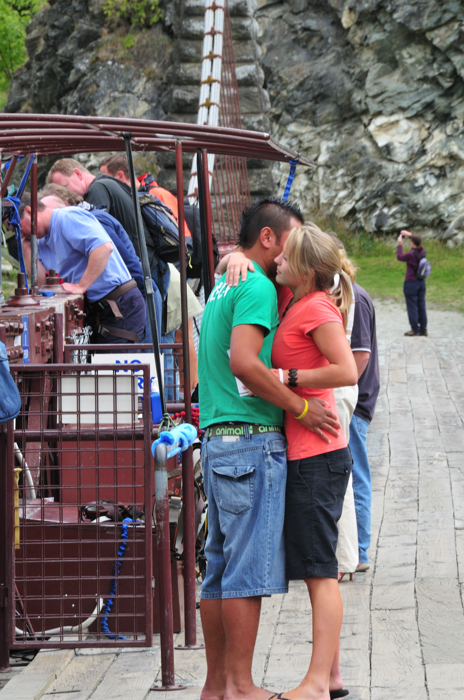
(15, 16)
(139, 13)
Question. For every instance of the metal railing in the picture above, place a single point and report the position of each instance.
(78, 477)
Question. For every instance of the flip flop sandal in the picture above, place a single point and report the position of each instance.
(340, 693)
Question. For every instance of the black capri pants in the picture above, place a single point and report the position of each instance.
(316, 488)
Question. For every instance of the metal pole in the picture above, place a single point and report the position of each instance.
(163, 545)
(187, 456)
(8, 174)
(6, 541)
(146, 270)
(34, 289)
(209, 225)
(206, 277)
(183, 280)
(2, 298)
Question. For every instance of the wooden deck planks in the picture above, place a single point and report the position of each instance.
(80, 677)
(35, 679)
(403, 629)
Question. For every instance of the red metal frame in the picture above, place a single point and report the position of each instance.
(64, 562)
(47, 134)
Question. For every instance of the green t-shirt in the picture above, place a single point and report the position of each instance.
(253, 302)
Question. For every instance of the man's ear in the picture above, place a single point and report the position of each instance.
(28, 210)
(267, 237)
(120, 176)
(79, 173)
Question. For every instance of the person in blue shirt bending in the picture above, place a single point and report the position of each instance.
(74, 243)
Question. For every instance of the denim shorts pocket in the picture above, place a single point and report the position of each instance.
(234, 488)
(339, 475)
(277, 445)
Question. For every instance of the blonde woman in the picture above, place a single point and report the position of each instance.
(312, 354)
(311, 337)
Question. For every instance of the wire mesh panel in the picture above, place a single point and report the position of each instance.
(230, 185)
(220, 106)
(83, 513)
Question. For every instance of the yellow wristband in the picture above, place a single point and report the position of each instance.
(305, 411)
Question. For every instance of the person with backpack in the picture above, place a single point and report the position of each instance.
(71, 241)
(417, 269)
(103, 191)
(117, 166)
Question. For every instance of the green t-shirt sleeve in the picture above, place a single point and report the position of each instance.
(255, 303)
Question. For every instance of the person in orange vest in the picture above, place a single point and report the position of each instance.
(117, 166)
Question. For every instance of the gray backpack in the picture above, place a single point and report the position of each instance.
(424, 268)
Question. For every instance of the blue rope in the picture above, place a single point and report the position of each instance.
(116, 569)
(15, 223)
(25, 176)
(14, 219)
(7, 163)
(291, 175)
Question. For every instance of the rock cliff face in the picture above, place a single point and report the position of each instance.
(373, 90)
(76, 66)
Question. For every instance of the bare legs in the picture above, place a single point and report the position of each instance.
(215, 643)
(324, 671)
(230, 627)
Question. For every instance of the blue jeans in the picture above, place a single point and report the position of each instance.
(146, 338)
(362, 486)
(245, 485)
(170, 369)
(414, 292)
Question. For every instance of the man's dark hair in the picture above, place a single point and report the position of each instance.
(26, 201)
(272, 212)
(116, 162)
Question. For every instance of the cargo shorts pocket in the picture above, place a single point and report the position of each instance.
(339, 475)
(234, 487)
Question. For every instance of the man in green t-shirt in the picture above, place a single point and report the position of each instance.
(244, 458)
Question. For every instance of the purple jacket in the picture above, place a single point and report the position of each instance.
(412, 262)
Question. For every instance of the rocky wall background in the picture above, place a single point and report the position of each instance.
(372, 90)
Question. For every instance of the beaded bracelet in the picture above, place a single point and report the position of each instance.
(293, 377)
(305, 411)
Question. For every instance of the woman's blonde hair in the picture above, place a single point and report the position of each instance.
(314, 255)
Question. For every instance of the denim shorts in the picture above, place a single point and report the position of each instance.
(315, 491)
(245, 485)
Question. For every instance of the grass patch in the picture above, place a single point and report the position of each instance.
(382, 275)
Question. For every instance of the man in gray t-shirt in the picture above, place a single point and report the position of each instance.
(364, 347)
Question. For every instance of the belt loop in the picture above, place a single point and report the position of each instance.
(247, 431)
